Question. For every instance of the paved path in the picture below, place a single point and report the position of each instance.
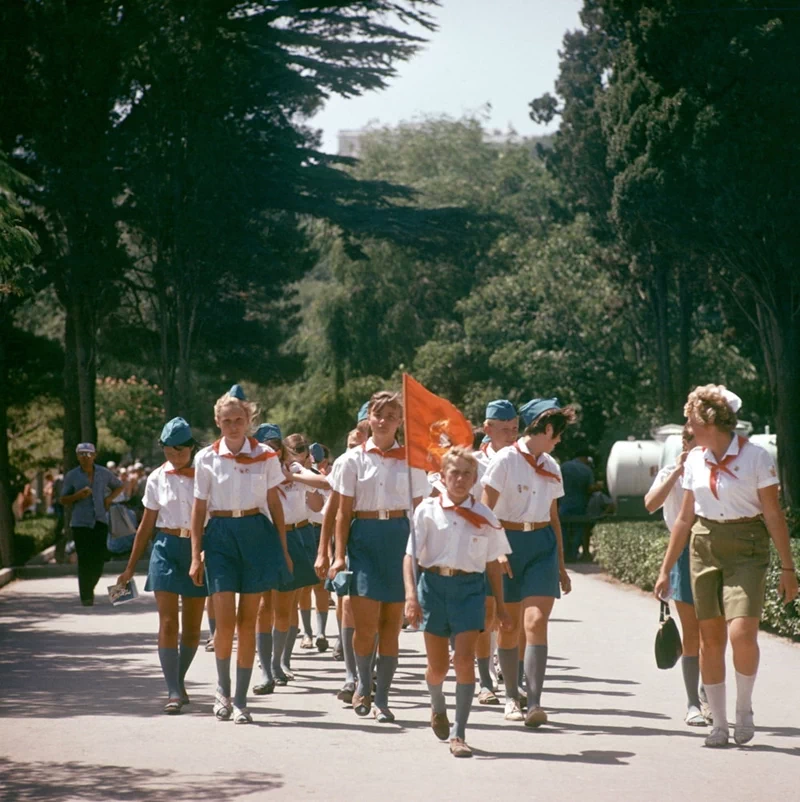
(81, 691)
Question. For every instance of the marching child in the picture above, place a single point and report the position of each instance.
(522, 485)
(168, 499)
(457, 540)
(236, 488)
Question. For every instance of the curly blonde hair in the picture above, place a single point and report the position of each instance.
(458, 452)
(708, 405)
(227, 400)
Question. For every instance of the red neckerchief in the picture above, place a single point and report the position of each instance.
(531, 460)
(244, 459)
(392, 453)
(475, 518)
(485, 447)
(722, 467)
(189, 471)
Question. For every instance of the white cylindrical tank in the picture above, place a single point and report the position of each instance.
(672, 448)
(632, 466)
(769, 442)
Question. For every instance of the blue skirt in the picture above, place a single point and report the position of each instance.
(534, 563)
(243, 555)
(680, 579)
(451, 604)
(170, 561)
(303, 552)
(375, 552)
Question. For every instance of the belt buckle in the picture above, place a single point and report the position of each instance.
(383, 515)
(185, 533)
(527, 526)
(447, 572)
(236, 513)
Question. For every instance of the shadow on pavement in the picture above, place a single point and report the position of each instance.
(26, 782)
(597, 757)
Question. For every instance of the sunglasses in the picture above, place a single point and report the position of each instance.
(299, 449)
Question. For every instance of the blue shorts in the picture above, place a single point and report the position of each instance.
(170, 561)
(680, 579)
(303, 552)
(317, 533)
(451, 604)
(534, 563)
(375, 552)
(243, 555)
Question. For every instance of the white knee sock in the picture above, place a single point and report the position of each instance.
(718, 704)
(744, 692)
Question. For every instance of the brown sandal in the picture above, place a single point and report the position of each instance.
(459, 748)
(362, 704)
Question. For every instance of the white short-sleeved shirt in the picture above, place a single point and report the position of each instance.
(484, 456)
(753, 469)
(293, 499)
(672, 503)
(171, 495)
(448, 540)
(376, 482)
(230, 485)
(525, 496)
(316, 517)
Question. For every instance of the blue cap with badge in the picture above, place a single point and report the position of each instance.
(237, 392)
(176, 432)
(317, 452)
(500, 410)
(530, 411)
(85, 448)
(268, 431)
(363, 413)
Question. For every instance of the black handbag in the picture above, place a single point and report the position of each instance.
(668, 640)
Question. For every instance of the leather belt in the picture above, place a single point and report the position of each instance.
(527, 526)
(711, 522)
(440, 570)
(234, 513)
(379, 515)
(176, 532)
(298, 525)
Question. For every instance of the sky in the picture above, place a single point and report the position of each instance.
(498, 52)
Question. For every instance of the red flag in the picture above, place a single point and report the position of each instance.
(432, 425)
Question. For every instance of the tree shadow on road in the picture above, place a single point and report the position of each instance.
(45, 780)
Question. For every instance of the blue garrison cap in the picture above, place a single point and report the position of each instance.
(317, 452)
(363, 413)
(176, 432)
(268, 431)
(530, 411)
(500, 410)
(237, 392)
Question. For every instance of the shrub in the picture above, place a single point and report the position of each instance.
(632, 553)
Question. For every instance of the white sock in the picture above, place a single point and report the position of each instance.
(717, 702)
(744, 693)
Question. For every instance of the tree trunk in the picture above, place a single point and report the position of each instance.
(685, 332)
(72, 407)
(86, 350)
(186, 313)
(660, 298)
(785, 346)
(167, 350)
(6, 515)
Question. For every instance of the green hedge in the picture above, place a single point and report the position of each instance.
(632, 553)
(31, 536)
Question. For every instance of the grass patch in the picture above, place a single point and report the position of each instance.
(632, 552)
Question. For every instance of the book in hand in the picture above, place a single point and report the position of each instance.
(119, 594)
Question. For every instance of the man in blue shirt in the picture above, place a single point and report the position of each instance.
(85, 490)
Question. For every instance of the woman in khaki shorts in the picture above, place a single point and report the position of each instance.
(731, 509)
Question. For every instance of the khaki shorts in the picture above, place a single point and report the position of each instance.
(728, 567)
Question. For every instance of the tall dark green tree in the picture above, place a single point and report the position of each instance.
(18, 247)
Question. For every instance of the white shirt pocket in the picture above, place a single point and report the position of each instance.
(478, 549)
